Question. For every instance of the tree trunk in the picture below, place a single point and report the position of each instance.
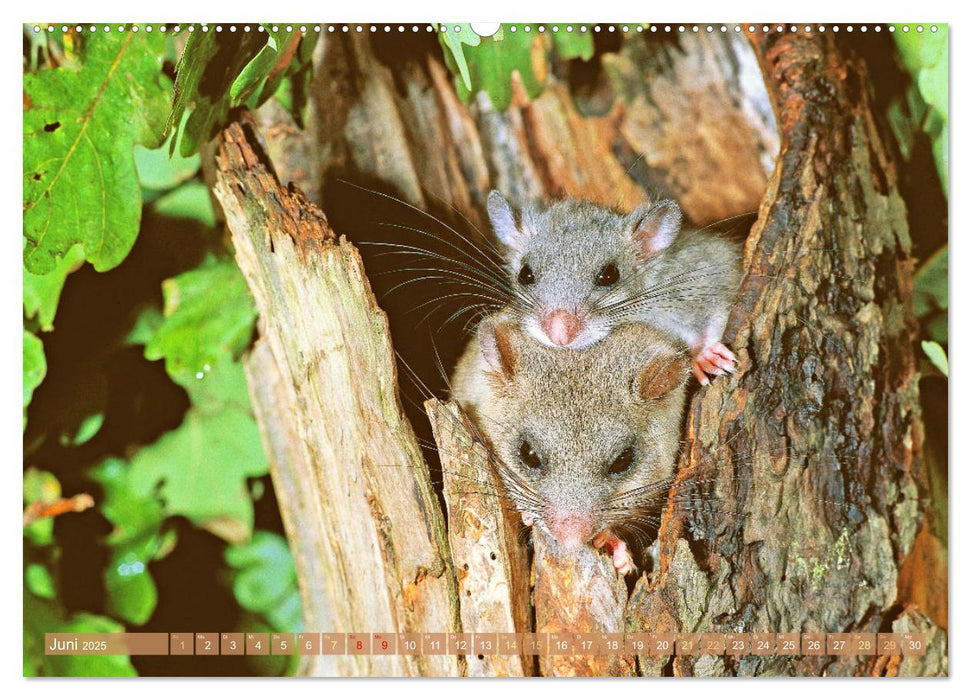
(800, 493)
(358, 504)
(813, 447)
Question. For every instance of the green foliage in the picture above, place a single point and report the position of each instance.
(209, 315)
(35, 367)
(190, 201)
(935, 354)
(930, 285)
(265, 580)
(80, 129)
(200, 469)
(160, 170)
(42, 292)
(930, 306)
(220, 72)
(137, 538)
(924, 56)
(207, 323)
(42, 611)
(573, 44)
(924, 108)
(42, 616)
(488, 63)
(102, 163)
(40, 487)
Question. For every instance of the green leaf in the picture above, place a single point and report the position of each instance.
(930, 284)
(132, 594)
(265, 580)
(42, 616)
(939, 149)
(493, 60)
(40, 487)
(146, 326)
(936, 355)
(135, 540)
(190, 201)
(216, 74)
(250, 80)
(39, 581)
(924, 55)
(266, 573)
(35, 368)
(42, 292)
(209, 314)
(86, 429)
(453, 42)
(199, 470)
(575, 44)
(161, 169)
(80, 130)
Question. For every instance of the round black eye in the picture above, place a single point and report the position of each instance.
(526, 275)
(608, 275)
(622, 463)
(528, 456)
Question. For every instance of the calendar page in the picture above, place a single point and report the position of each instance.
(481, 350)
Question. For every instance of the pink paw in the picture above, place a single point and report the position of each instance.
(714, 359)
(617, 548)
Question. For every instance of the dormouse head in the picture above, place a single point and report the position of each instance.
(583, 439)
(572, 266)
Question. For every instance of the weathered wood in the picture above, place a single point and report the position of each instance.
(489, 561)
(378, 538)
(580, 595)
(693, 121)
(697, 112)
(291, 469)
(813, 446)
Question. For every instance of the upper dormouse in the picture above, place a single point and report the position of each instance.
(572, 264)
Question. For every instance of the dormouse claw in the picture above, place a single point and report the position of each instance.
(713, 359)
(619, 553)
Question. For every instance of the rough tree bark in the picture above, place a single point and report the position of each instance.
(357, 500)
(812, 449)
(814, 445)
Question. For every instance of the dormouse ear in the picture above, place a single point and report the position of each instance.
(498, 349)
(503, 220)
(661, 375)
(656, 225)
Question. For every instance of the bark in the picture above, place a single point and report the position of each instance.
(813, 447)
(355, 492)
(482, 531)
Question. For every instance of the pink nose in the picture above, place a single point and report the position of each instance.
(571, 530)
(561, 326)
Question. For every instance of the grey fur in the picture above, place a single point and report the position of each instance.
(579, 410)
(685, 287)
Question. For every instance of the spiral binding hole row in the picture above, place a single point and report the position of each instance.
(541, 28)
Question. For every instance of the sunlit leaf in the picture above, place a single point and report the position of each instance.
(930, 284)
(35, 368)
(42, 292)
(935, 354)
(199, 470)
(80, 130)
